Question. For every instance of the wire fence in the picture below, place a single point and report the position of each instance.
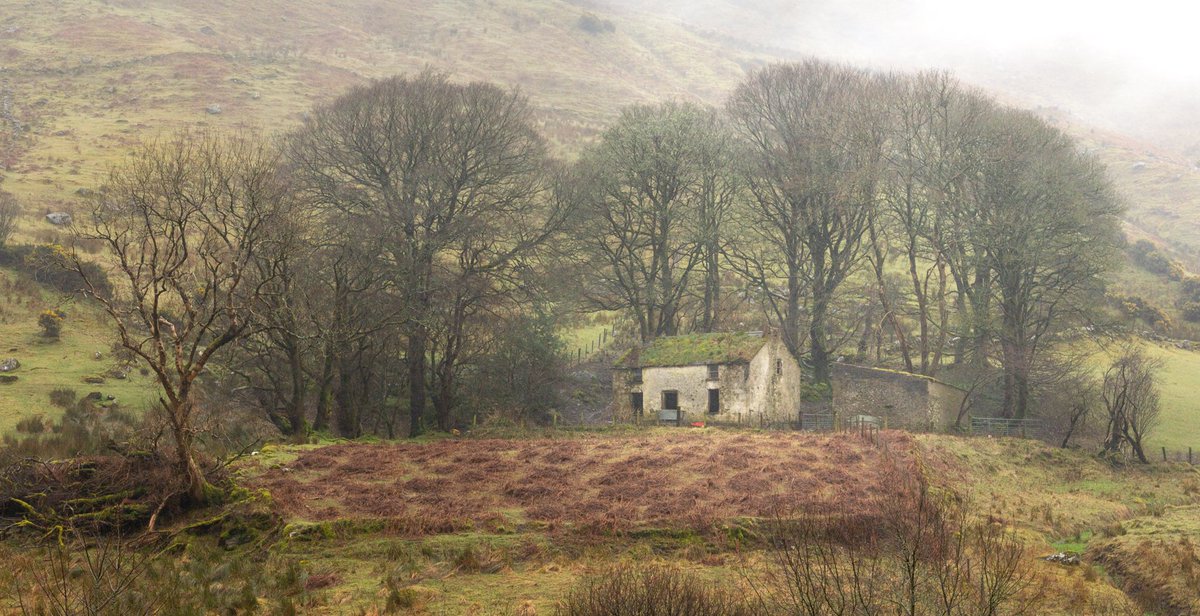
(597, 347)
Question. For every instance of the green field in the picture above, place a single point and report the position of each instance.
(1180, 386)
(52, 364)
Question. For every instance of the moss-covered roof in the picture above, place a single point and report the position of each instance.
(693, 350)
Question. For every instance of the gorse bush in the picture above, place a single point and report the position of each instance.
(51, 265)
(51, 323)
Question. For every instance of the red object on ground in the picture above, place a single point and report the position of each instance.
(697, 424)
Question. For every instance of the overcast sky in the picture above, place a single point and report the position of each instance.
(1132, 66)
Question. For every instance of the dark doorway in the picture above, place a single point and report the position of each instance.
(714, 401)
(635, 400)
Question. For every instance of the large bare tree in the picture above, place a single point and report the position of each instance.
(816, 133)
(186, 220)
(652, 198)
(434, 170)
(1049, 221)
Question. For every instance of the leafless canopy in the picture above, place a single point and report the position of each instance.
(185, 219)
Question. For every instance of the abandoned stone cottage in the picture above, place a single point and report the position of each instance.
(721, 377)
(749, 378)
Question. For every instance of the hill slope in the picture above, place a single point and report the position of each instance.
(87, 78)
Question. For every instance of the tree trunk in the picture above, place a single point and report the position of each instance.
(198, 490)
(922, 306)
(325, 394)
(791, 315)
(416, 380)
(296, 406)
(712, 290)
(818, 352)
(443, 401)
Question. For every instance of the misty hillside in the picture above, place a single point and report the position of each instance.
(87, 79)
(83, 80)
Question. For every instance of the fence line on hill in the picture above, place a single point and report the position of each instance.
(599, 346)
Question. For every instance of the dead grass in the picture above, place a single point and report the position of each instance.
(694, 479)
(1156, 560)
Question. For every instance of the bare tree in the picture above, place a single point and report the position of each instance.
(186, 220)
(430, 167)
(1130, 396)
(1050, 221)
(816, 133)
(926, 555)
(652, 198)
(10, 210)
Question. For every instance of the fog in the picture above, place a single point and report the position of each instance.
(1130, 66)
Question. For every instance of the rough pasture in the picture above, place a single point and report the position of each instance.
(684, 479)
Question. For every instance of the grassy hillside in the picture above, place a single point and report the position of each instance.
(90, 78)
(83, 351)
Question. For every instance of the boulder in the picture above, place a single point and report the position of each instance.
(213, 109)
(94, 380)
(59, 218)
(1063, 558)
(7, 379)
(208, 31)
(9, 365)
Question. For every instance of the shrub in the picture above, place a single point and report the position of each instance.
(32, 425)
(63, 397)
(9, 211)
(1191, 289)
(1149, 258)
(51, 323)
(50, 265)
(1191, 312)
(520, 376)
(1136, 307)
(653, 590)
(592, 24)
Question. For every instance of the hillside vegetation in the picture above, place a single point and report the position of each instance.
(509, 525)
(88, 79)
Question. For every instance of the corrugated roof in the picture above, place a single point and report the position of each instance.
(694, 349)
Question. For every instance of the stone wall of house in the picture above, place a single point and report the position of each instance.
(765, 390)
(907, 401)
(622, 406)
(945, 400)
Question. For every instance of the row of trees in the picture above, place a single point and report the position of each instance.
(372, 253)
(404, 251)
(846, 203)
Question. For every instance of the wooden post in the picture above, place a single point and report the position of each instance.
(1164, 454)
(1189, 455)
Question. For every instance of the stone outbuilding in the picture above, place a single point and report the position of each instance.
(899, 399)
(735, 378)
